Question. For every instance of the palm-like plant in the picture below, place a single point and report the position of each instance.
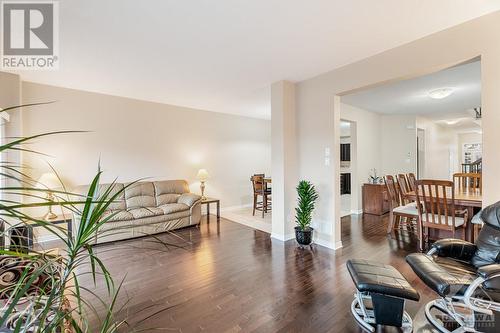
(307, 197)
(45, 294)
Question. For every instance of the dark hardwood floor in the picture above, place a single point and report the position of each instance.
(232, 278)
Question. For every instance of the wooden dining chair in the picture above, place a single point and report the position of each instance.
(260, 189)
(412, 181)
(437, 209)
(466, 182)
(404, 188)
(397, 210)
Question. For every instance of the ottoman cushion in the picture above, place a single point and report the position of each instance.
(374, 277)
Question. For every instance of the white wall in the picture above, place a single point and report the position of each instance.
(398, 139)
(440, 150)
(466, 138)
(135, 139)
(318, 108)
(10, 95)
(284, 155)
(368, 149)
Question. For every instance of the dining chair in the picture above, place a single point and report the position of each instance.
(437, 209)
(404, 188)
(466, 182)
(412, 180)
(260, 189)
(397, 210)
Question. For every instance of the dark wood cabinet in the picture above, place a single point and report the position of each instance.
(375, 199)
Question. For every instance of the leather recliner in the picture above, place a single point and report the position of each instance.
(466, 276)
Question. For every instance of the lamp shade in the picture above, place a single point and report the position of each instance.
(202, 175)
(49, 181)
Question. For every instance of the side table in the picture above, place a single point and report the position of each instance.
(60, 219)
(208, 201)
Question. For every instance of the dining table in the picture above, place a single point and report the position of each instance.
(468, 199)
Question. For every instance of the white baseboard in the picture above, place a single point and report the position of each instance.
(328, 244)
(233, 208)
(45, 238)
(282, 237)
(357, 212)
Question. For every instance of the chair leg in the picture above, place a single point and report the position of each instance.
(391, 222)
(420, 236)
(254, 204)
(264, 205)
(397, 223)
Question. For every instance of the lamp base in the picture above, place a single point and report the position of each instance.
(202, 187)
(49, 216)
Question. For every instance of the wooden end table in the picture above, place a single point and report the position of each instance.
(60, 219)
(208, 201)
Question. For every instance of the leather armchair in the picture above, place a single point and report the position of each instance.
(465, 275)
(454, 248)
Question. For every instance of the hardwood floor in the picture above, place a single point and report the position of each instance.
(232, 278)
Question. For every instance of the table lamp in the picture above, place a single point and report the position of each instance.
(49, 181)
(202, 177)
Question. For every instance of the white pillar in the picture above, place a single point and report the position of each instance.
(284, 159)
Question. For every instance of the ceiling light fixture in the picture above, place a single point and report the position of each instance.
(441, 93)
(452, 122)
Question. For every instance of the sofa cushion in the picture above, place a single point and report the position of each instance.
(118, 215)
(167, 198)
(140, 195)
(173, 208)
(118, 203)
(168, 191)
(189, 199)
(139, 213)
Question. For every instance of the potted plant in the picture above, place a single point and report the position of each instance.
(303, 212)
(42, 291)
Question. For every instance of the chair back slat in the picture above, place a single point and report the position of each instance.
(438, 198)
(258, 183)
(392, 191)
(467, 182)
(412, 180)
(402, 185)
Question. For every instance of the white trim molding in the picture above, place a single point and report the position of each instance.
(282, 237)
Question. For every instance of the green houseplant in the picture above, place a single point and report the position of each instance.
(42, 292)
(307, 197)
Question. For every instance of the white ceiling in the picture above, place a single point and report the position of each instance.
(223, 55)
(412, 97)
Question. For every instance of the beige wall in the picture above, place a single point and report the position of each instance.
(136, 139)
(466, 138)
(367, 148)
(317, 106)
(284, 157)
(440, 150)
(10, 95)
(398, 139)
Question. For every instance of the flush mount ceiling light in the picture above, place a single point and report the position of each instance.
(441, 93)
(452, 122)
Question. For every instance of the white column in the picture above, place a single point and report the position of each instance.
(284, 159)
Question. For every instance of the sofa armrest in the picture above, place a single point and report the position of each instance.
(489, 271)
(189, 199)
(453, 248)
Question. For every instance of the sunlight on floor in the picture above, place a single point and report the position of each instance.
(244, 216)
